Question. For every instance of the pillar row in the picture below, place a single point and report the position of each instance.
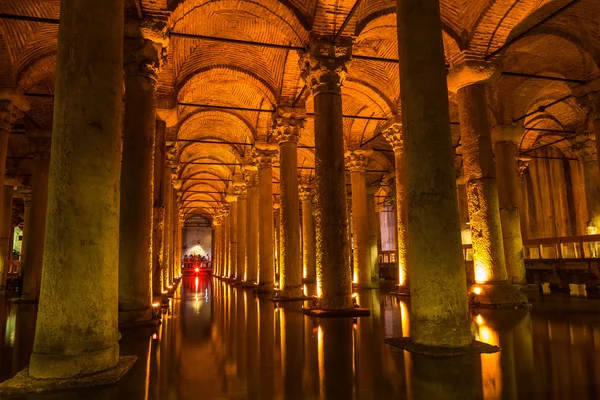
(233, 234)
(252, 224)
(242, 198)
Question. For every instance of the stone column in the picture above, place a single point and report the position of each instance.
(218, 246)
(158, 210)
(393, 133)
(32, 268)
(439, 307)
(142, 61)
(373, 218)
(263, 155)
(309, 243)
(357, 163)
(588, 97)
(467, 79)
(324, 69)
(277, 237)
(25, 194)
(288, 126)
(586, 153)
(233, 233)
(506, 139)
(77, 330)
(225, 240)
(252, 224)
(6, 232)
(242, 197)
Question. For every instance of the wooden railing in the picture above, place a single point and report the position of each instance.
(197, 264)
(14, 266)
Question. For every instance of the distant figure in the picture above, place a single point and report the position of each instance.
(185, 258)
(207, 257)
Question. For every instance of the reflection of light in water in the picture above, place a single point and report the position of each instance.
(304, 290)
(491, 374)
(197, 282)
(321, 360)
(405, 319)
(481, 272)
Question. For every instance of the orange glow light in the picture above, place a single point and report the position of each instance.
(477, 290)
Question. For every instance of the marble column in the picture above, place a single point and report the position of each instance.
(309, 242)
(393, 133)
(77, 330)
(439, 306)
(467, 79)
(591, 178)
(242, 204)
(141, 64)
(373, 218)
(233, 234)
(6, 227)
(324, 67)
(506, 146)
(252, 225)
(277, 238)
(225, 240)
(263, 156)
(288, 125)
(158, 210)
(588, 97)
(357, 161)
(32, 267)
(25, 194)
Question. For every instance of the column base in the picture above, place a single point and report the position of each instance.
(363, 286)
(348, 313)
(309, 280)
(403, 290)
(135, 316)
(406, 343)
(249, 285)
(264, 288)
(23, 383)
(67, 366)
(25, 300)
(497, 295)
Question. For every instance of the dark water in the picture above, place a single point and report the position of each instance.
(220, 342)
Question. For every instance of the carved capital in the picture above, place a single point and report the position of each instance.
(263, 157)
(145, 48)
(392, 131)
(468, 68)
(240, 189)
(357, 160)
(288, 124)
(12, 105)
(325, 65)
(588, 98)
(306, 191)
(523, 164)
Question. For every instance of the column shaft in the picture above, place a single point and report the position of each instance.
(266, 261)
(137, 169)
(360, 230)
(290, 272)
(32, 278)
(482, 190)
(401, 222)
(242, 219)
(233, 240)
(252, 234)
(591, 177)
(309, 244)
(373, 219)
(168, 217)
(440, 312)
(5, 232)
(158, 213)
(76, 331)
(509, 200)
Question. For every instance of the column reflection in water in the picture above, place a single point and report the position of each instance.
(310, 373)
(252, 346)
(291, 319)
(335, 348)
(266, 358)
(241, 335)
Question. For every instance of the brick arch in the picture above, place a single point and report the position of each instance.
(36, 71)
(224, 125)
(228, 86)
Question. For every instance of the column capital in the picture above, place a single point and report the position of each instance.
(263, 154)
(250, 177)
(145, 48)
(394, 133)
(276, 204)
(507, 133)
(588, 98)
(288, 124)
(176, 183)
(584, 148)
(239, 186)
(12, 180)
(325, 65)
(357, 160)
(468, 68)
(523, 164)
(305, 191)
(25, 193)
(224, 210)
(12, 105)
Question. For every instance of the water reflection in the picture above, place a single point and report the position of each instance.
(224, 342)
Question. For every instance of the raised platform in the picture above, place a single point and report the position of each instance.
(350, 313)
(22, 383)
(298, 298)
(405, 343)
